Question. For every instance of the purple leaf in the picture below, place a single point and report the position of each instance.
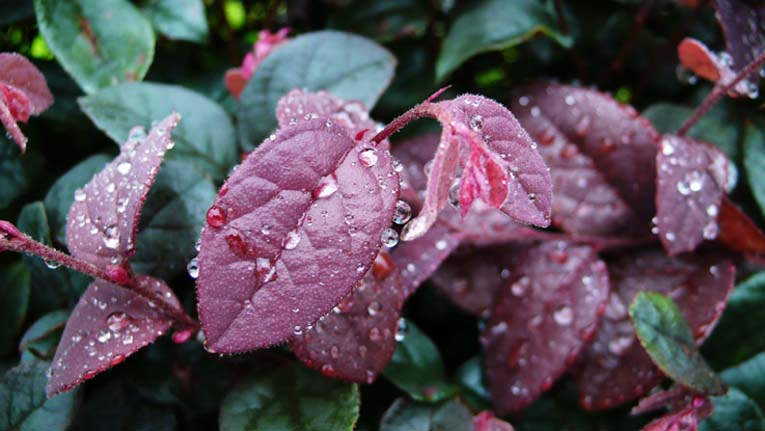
(541, 320)
(601, 154)
(691, 178)
(743, 24)
(676, 397)
(108, 324)
(103, 220)
(23, 92)
(357, 339)
(686, 418)
(292, 231)
(616, 369)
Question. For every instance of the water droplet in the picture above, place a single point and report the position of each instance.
(523, 101)
(368, 157)
(752, 90)
(563, 316)
(667, 148)
(389, 237)
(328, 123)
(117, 321)
(193, 268)
(712, 210)
(711, 230)
(441, 245)
(374, 335)
(519, 287)
(725, 58)
(198, 245)
(476, 122)
(685, 76)
(80, 195)
(683, 188)
(265, 229)
(216, 217)
(265, 270)
(403, 212)
(111, 237)
(570, 100)
(297, 330)
(401, 330)
(374, 308)
(292, 241)
(52, 264)
(695, 180)
(327, 187)
(670, 236)
(110, 187)
(124, 168)
(454, 193)
(620, 344)
(103, 336)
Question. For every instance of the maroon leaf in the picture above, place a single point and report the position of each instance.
(108, 324)
(696, 57)
(615, 368)
(739, 233)
(691, 178)
(357, 339)
(23, 92)
(683, 419)
(541, 320)
(601, 154)
(486, 421)
(743, 24)
(676, 398)
(292, 231)
(103, 220)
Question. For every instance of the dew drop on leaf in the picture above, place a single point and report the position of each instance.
(368, 157)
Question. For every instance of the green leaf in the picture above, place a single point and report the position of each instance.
(290, 399)
(668, 339)
(749, 378)
(348, 66)
(98, 42)
(711, 128)
(61, 194)
(14, 300)
(41, 339)
(734, 411)
(417, 368)
(383, 20)
(409, 415)
(471, 377)
(205, 137)
(754, 163)
(16, 171)
(493, 25)
(172, 217)
(738, 335)
(178, 19)
(24, 406)
(51, 288)
(14, 10)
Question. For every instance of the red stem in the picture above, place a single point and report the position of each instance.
(718, 92)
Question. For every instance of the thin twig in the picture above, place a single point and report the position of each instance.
(562, 23)
(718, 92)
(637, 26)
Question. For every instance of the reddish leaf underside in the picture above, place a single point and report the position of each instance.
(601, 153)
(108, 324)
(615, 367)
(23, 92)
(696, 57)
(691, 178)
(683, 419)
(292, 231)
(103, 220)
(541, 320)
(357, 339)
(486, 421)
(676, 398)
(739, 233)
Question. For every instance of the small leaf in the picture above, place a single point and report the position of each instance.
(14, 299)
(494, 25)
(98, 42)
(346, 65)
(754, 163)
(615, 368)
(734, 411)
(417, 367)
(408, 415)
(103, 219)
(356, 340)
(108, 324)
(277, 226)
(23, 405)
(602, 157)
(749, 378)
(541, 320)
(683, 419)
(178, 19)
(669, 341)
(739, 233)
(41, 338)
(474, 388)
(290, 399)
(23, 92)
(691, 180)
(718, 68)
(206, 139)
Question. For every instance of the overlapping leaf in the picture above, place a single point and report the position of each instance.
(291, 231)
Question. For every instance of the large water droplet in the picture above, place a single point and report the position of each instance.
(389, 237)
(117, 321)
(563, 316)
(368, 157)
(454, 193)
(193, 268)
(103, 336)
(374, 308)
(712, 210)
(124, 168)
(711, 230)
(403, 212)
(667, 148)
(292, 241)
(265, 269)
(476, 122)
(216, 217)
(80, 195)
(112, 237)
(327, 187)
(401, 330)
(52, 264)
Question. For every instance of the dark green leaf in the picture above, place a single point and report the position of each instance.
(734, 411)
(290, 399)
(99, 42)
(205, 137)
(61, 195)
(23, 405)
(669, 341)
(116, 407)
(749, 378)
(173, 216)
(14, 299)
(738, 335)
(407, 415)
(178, 19)
(471, 377)
(417, 368)
(492, 25)
(383, 20)
(711, 128)
(14, 10)
(348, 66)
(754, 163)
(16, 171)
(41, 339)
(51, 288)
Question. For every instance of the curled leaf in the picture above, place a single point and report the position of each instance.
(23, 92)
(296, 226)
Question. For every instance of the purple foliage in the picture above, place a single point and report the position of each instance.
(23, 92)
(541, 320)
(691, 181)
(743, 24)
(103, 220)
(290, 234)
(357, 339)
